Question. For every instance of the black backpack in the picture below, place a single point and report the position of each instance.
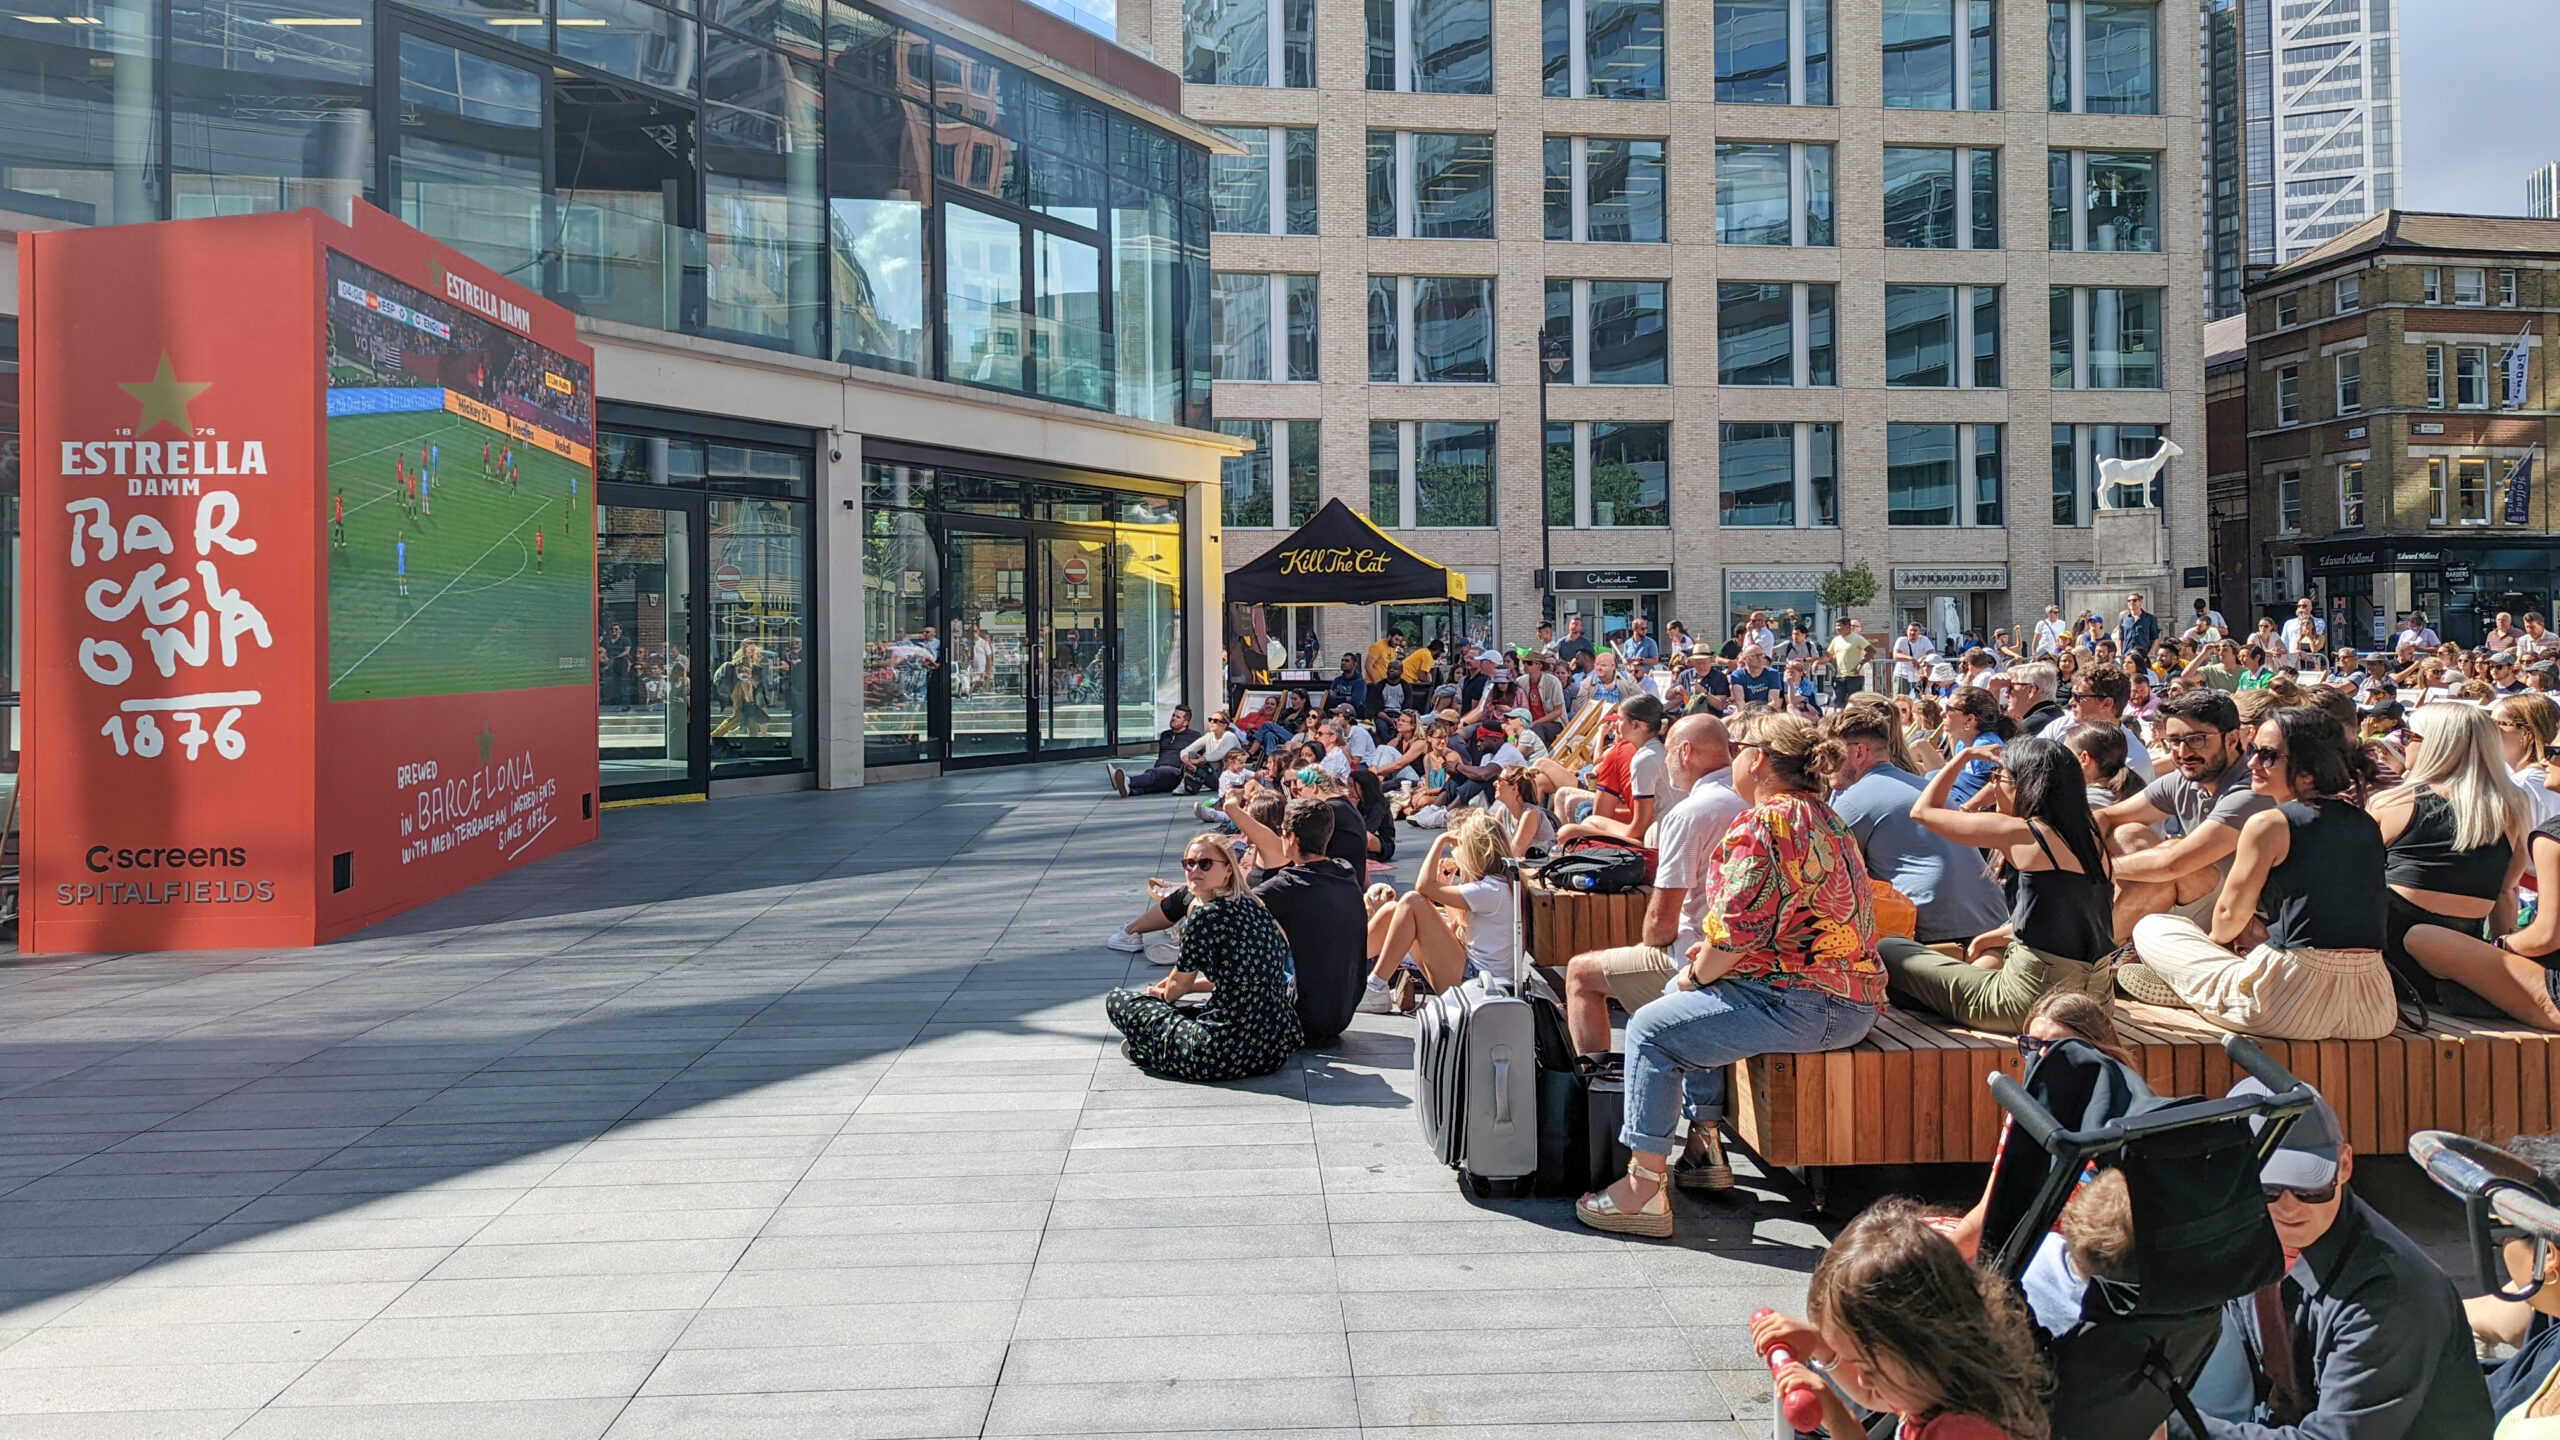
(1597, 865)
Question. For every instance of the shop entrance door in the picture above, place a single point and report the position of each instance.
(651, 727)
(1032, 644)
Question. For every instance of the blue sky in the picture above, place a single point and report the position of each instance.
(2479, 106)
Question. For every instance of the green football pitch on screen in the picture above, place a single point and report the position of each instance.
(499, 590)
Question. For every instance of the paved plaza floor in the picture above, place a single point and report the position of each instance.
(790, 1117)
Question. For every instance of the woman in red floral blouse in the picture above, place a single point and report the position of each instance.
(1786, 963)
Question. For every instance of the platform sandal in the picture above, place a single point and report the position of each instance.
(1599, 1211)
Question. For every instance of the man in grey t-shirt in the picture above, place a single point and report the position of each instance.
(1956, 896)
(2174, 839)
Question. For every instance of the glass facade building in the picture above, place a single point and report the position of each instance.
(811, 178)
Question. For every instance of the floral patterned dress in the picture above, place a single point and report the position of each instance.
(1788, 893)
(1249, 1027)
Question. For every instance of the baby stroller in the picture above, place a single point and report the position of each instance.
(2200, 1229)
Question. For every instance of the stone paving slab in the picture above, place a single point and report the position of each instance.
(793, 1116)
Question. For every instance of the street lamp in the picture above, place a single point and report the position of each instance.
(1555, 356)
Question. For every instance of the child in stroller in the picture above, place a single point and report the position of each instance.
(2183, 1172)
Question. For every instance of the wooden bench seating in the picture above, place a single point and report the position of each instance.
(1914, 1090)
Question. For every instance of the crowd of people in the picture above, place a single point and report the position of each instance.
(2287, 839)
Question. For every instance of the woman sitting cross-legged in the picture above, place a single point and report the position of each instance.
(2453, 834)
(1229, 942)
(2062, 921)
(2303, 896)
(1786, 963)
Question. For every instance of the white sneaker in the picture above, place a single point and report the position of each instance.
(1119, 779)
(1124, 942)
(1164, 952)
(1378, 999)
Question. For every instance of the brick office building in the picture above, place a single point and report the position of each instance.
(2382, 437)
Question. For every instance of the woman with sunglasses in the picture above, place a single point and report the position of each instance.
(2061, 1015)
(1229, 942)
(1786, 963)
(2300, 896)
(2454, 833)
(2061, 923)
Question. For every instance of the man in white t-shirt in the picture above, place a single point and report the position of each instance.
(1701, 754)
(2052, 633)
(1912, 652)
(2418, 632)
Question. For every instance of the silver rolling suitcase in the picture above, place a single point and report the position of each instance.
(1475, 1065)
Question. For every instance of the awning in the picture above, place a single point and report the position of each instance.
(1337, 558)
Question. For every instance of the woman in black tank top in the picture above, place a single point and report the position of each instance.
(2517, 975)
(2062, 925)
(2455, 835)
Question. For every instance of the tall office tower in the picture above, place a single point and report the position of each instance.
(2302, 130)
(1806, 283)
(2542, 193)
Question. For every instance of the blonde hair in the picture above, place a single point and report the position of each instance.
(1476, 845)
(2097, 1228)
(2461, 760)
(1236, 887)
(1800, 756)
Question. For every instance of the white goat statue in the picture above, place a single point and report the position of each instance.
(2134, 474)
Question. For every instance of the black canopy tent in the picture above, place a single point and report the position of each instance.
(1338, 558)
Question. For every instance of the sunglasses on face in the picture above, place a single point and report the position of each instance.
(2261, 755)
(2029, 1047)
(2321, 1196)
(1201, 863)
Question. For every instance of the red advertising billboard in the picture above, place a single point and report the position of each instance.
(308, 527)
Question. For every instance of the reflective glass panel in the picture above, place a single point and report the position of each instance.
(1625, 47)
(1239, 327)
(1240, 185)
(2120, 49)
(1630, 473)
(1244, 481)
(1556, 190)
(1919, 55)
(982, 332)
(644, 633)
(1919, 198)
(1986, 199)
(1383, 351)
(1299, 294)
(1382, 183)
(991, 693)
(2122, 198)
(760, 678)
(1821, 350)
(765, 211)
(1630, 333)
(635, 41)
(1453, 187)
(1920, 474)
(621, 174)
(1986, 337)
(1626, 190)
(1919, 334)
(1386, 474)
(1559, 472)
(2124, 339)
(263, 116)
(1453, 46)
(902, 586)
(1068, 335)
(1298, 179)
(1757, 470)
(1453, 330)
(1148, 569)
(1755, 334)
(1452, 474)
(1752, 195)
(1306, 477)
(879, 187)
(1225, 42)
(467, 163)
(1146, 250)
(1751, 52)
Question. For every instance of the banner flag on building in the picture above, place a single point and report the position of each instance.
(2516, 361)
(2520, 489)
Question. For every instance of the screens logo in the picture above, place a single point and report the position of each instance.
(102, 858)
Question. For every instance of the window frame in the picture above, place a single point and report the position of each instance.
(1408, 364)
(1965, 28)
(1578, 324)
(2289, 502)
(2077, 179)
(2464, 467)
(1277, 53)
(2347, 294)
(2506, 289)
(1968, 501)
(1801, 200)
(2075, 60)
(1578, 186)
(1278, 338)
(2431, 285)
(1814, 492)
(2479, 292)
(2439, 497)
(2288, 309)
(1965, 357)
(1275, 165)
(1803, 59)
(1579, 435)
(1577, 41)
(2464, 357)
(1408, 452)
(1408, 201)
(2288, 395)
(1407, 57)
(2435, 377)
(2351, 495)
(2082, 351)
(1800, 334)
(1973, 213)
(1278, 453)
(2347, 381)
